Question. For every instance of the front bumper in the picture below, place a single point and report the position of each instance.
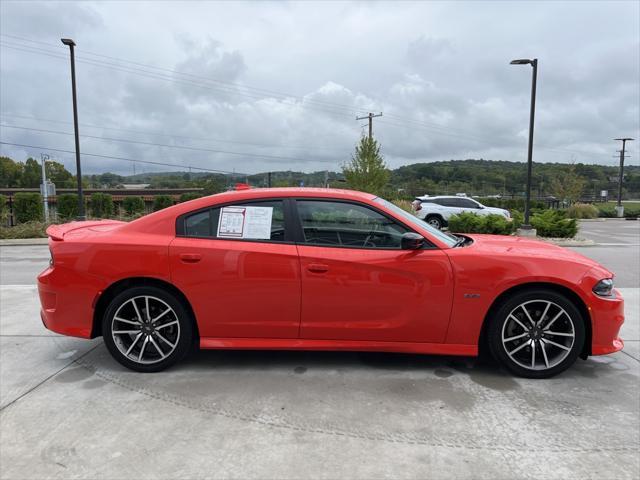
(607, 316)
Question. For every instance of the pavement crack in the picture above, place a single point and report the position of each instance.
(35, 387)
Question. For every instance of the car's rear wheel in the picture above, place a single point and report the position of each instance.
(537, 333)
(147, 329)
(435, 221)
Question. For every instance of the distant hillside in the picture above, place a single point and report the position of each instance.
(478, 177)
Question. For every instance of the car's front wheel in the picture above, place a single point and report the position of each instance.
(435, 221)
(147, 329)
(537, 333)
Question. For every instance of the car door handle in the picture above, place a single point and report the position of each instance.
(190, 257)
(318, 267)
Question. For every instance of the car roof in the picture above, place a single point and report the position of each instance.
(439, 196)
(292, 192)
(157, 221)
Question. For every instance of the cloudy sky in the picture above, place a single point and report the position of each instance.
(256, 86)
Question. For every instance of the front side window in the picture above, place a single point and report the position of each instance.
(344, 224)
(467, 203)
(243, 221)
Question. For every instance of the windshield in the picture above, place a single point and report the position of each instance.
(415, 221)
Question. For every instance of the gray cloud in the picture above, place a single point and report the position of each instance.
(286, 80)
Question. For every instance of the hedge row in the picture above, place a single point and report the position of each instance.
(548, 223)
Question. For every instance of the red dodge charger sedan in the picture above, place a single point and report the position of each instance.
(322, 269)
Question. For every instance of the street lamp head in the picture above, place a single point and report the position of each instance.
(68, 41)
(624, 139)
(521, 61)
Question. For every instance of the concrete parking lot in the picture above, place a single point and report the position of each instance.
(67, 410)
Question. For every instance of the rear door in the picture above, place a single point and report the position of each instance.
(357, 284)
(239, 268)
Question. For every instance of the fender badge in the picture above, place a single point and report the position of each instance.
(471, 295)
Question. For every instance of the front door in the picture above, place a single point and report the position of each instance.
(241, 283)
(357, 284)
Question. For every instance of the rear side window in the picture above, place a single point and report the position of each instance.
(258, 221)
(343, 224)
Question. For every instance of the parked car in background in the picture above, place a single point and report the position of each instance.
(437, 210)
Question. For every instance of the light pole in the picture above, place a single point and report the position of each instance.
(619, 207)
(534, 64)
(45, 191)
(71, 44)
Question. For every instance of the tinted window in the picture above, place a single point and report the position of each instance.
(347, 225)
(446, 202)
(466, 203)
(198, 225)
(205, 223)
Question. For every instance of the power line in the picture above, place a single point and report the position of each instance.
(370, 116)
(40, 148)
(209, 79)
(158, 134)
(230, 88)
(138, 142)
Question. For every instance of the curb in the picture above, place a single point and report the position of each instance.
(14, 242)
(569, 242)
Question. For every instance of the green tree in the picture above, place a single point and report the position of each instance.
(133, 206)
(67, 206)
(367, 171)
(101, 205)
(27, 207)
(568, 184)
(31, 174)
(10, 173)
(161, 201)
(185, 197)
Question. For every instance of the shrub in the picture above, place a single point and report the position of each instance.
(607, 212)
(511, 203)
(403, 204)
(34, 229)
(631, 212)
(27, 207)
(185, 197)
(554, 224)
(471, 223)
(67, 206)
(582, 210)
(161, 201)
(101, 205)
(133, 205)
(4, 209)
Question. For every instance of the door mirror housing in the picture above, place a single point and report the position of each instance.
(411, 241)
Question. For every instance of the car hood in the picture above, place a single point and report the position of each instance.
(521, 246)
(499, 211)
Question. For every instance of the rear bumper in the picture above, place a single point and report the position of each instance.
(607, 316)
(66, 307)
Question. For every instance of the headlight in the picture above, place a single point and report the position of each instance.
(604, 288)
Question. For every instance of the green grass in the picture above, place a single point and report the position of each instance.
(631, 204)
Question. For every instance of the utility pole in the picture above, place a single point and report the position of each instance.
(619, 207)
(45, 194)
(371, 116)
(71, 44)
(269, 179)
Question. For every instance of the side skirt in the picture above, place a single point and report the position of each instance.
(346, 345)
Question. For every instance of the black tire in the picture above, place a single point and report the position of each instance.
(171, 335)
(545, 349)
(435, 221)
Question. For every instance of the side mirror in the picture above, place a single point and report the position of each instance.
(411, 241)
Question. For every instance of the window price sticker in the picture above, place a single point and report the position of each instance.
(245, 222)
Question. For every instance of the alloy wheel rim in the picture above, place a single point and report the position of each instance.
(145, 329)
(434, 223)
(538, 334)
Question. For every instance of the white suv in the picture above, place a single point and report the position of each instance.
(437, 210)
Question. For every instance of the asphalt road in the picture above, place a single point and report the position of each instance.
(67, 410)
